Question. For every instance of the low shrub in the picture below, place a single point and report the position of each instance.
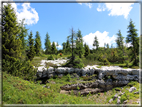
(22, 69)
(50, 57)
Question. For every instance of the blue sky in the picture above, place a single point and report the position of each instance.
(93, 19)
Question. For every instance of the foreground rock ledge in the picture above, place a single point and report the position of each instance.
(93, 87)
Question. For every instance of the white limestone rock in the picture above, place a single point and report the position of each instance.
(132, 89)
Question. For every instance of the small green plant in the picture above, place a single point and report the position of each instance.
(68, 78)
(78, 88)
(50, 57)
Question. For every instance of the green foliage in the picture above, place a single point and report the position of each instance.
(31, 51)
(47, 44)
(77, 63)
(11, 43)
(22, 69)
(53, 48)
(37, 44)
(50, 57)
(87, 50)
(96, 43)
(23, 33)
(79, 44)
(68, 78)
(133, 39)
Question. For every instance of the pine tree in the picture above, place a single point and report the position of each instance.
(96, 43)
(87, 50)
(132, 38)
(37, 44)
(31, 51)
(11, 43)
(64, 46)
(47, 44)
(53, 48)
(57, 46)
(79, 44)
(119, 42)
(23, 34)
(68, 48)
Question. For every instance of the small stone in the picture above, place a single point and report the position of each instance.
(115, 96)
(110, 100)
(125, 101)
(119, 97)
(136, 92)
(44, 86)
(118, 101)
(132, 89)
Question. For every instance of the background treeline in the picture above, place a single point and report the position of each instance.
(18, 52)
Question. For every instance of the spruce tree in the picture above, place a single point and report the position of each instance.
(119, 42)
(64, 46)
(11, 43)
(31, 51)
(96, 43)
(132, 38)
(79, 44)
(68, 48)
(37, 44)
(87, 50)
(53, 48)
(47, 44)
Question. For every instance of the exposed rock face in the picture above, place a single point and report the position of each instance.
(122, 75)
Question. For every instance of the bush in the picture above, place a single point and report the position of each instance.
(50, 57)
(77, 63)
(90, 57)
(16, 67)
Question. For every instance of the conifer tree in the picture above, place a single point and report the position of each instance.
(68, 48)
(119, 42)
(11, 43)
(53, 48)
(87, 50)
(64, 46)
(31, 51)
(47, 44)
(23, 34)
(132, 38)
(79, 44)
(37, 44)
(57, 46)
(96, 43)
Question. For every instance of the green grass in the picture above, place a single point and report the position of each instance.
(18, 91)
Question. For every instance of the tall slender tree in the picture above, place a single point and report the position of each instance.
(53, 48)
(31, 51)
(87, 50)
(96, 43)
(79, 44)
(47, 44)
(132, 38)
(37, 44)
(120, 45)
(11, 43)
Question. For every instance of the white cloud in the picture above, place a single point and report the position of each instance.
(57, 46)
(127, 44)
(117, 9)
(80, 3)
(89, 5)
(27, 12)
(102, 38)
